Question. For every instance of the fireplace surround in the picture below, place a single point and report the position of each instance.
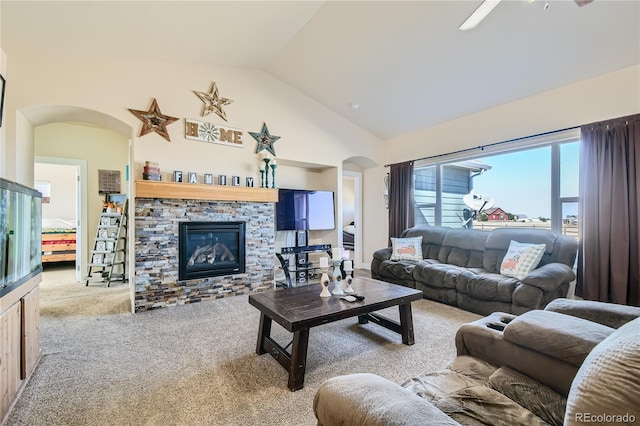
(156, 238)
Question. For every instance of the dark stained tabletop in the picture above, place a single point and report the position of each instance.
(302, 307)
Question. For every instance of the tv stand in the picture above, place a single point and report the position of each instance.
(303, 272)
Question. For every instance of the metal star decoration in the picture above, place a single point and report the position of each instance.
(154, 120)
(213, 102)
(265, 140)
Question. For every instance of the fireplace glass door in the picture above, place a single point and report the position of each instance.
(210, 249)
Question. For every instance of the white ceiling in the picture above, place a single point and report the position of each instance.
(405, 63)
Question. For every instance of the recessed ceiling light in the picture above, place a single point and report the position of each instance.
(354, 106)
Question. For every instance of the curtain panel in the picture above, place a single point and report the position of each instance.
(401, 198)
(609, 255)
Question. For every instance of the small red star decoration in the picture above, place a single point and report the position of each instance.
(154, 120)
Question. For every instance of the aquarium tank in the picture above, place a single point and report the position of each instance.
(21, 234)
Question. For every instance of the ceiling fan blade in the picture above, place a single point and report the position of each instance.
(582, 2)
(479, 14)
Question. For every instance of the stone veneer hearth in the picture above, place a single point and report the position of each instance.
(156, 250)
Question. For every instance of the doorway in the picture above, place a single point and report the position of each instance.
(352, 215)
(63, 184)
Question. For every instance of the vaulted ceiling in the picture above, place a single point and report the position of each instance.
(406, 64)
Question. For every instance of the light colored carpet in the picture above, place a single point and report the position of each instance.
(61, 295)
(196, 365)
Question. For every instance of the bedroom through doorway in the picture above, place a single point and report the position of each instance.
(59, 181)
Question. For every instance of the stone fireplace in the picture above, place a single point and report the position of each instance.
(158, 223)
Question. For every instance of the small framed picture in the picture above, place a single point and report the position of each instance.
(96, 258)
(208, 179)
(103, 233)
(110, 246)
(101, 246)
(105, 221)
(177, 176)
(222, 180)
(235, 180)
(250, 182)
(108, 257)
(193, 177)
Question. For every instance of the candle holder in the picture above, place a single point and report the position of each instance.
(266, 171)
(262, 178)
(324, 281)
(273, 175)
(337, 278)
(346, 285)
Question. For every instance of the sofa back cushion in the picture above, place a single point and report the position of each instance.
(606, 389)
(463, 247)
(559, 248)
(432, 237)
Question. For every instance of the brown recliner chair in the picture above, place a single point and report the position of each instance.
(574, 362)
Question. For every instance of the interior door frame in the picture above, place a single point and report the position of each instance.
(81, 206)
(357, 213)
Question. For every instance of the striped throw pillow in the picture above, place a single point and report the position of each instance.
(521, 258)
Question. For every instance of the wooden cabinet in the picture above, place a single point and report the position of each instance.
(19, 341)
(9, 356)
(30, 332)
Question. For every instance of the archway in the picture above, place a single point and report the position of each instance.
(92, 141)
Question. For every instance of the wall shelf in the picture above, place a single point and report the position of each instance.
(196, 191)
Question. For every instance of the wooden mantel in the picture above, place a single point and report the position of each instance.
(196, 191)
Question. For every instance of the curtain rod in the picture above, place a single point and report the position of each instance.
(482, 147)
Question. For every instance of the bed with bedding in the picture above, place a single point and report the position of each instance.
(58, 240)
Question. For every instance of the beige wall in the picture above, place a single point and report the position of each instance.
(309, 132)
(62, 183)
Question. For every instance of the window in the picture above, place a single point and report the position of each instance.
(531, 186)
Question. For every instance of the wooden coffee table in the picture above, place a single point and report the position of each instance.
(298, 309)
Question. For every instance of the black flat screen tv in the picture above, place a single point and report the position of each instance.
(305, 210)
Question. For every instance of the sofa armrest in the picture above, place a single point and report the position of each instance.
(382, 254)
(370, 400)
(480, 340)
(550, 276)
(609, 314)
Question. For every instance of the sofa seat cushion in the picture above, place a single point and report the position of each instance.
(397, 269)
(558, 335)
(486, 286)
(462, 392)
(546, 403)
(437, 275)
